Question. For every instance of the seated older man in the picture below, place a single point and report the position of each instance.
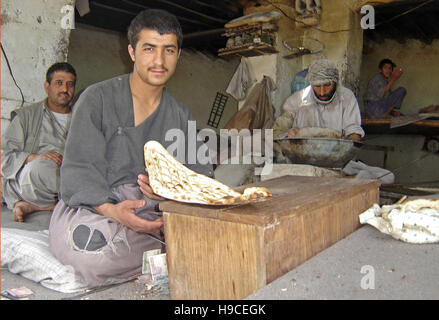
(326, 103)
(33, 145)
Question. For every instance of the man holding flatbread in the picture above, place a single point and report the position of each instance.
(108, 214)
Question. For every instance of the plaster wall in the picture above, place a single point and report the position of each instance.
(33, 39)
(340, 32)
(196, 81)
(97, 55)
(418, 60)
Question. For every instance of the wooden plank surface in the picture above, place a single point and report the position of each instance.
(228, 253)
(292, 195)
(212, 259)
(297, 238)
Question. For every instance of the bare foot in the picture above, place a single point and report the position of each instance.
(388, 112)
(23, 208)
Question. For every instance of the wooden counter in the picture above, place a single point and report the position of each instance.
(229, 252)
(428, 125)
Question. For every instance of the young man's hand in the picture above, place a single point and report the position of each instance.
(143, 182)
(396, 73)
(124, 213)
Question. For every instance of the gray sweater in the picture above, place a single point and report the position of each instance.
(104, 149)
(21, 138)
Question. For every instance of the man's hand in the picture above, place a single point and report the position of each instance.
(143, 182)
(354, 137)
(124, 213)
(51, 155)
(292, 132)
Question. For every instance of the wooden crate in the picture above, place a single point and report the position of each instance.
(229, 252)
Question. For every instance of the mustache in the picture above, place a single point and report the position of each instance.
(158, 69)
(329, 95)
(64, 93)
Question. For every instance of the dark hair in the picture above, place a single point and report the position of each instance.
(154, 19)
(59, 66)
(386, 61)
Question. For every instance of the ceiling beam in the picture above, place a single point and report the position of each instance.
(171, 3)
(203, 33)
(100, 5)
(134, 13)
(212, 6)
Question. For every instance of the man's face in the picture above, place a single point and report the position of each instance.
(61, 88)
(387, 70)
(155, 57)
(324, 92)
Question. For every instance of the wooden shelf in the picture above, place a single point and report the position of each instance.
(248, 50)
(231, 32)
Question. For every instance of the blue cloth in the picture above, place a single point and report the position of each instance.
(299, 81)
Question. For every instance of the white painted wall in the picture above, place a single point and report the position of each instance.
(33, 39)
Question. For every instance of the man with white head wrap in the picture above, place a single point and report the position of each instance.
(326, 103)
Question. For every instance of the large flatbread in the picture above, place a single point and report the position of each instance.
(172, 180)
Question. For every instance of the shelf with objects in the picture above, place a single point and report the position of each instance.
(250, 40)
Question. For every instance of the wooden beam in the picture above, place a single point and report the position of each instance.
(171, 3)
(134, 13)
(203, 33)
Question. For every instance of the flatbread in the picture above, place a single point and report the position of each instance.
(172, 180)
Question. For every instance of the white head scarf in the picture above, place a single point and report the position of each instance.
(321, 72)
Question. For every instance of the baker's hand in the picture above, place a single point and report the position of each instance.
(124, 213)
(354, 137)
(292, 132)
(143, 182)
(51, 155)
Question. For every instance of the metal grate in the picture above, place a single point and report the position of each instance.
(217, 110)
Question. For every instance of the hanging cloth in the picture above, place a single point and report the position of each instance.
(257, 111)
(241, 81)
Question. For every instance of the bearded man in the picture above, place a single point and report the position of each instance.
(325, 103)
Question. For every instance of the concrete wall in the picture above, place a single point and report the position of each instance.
(418, 60)
(33, 39)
